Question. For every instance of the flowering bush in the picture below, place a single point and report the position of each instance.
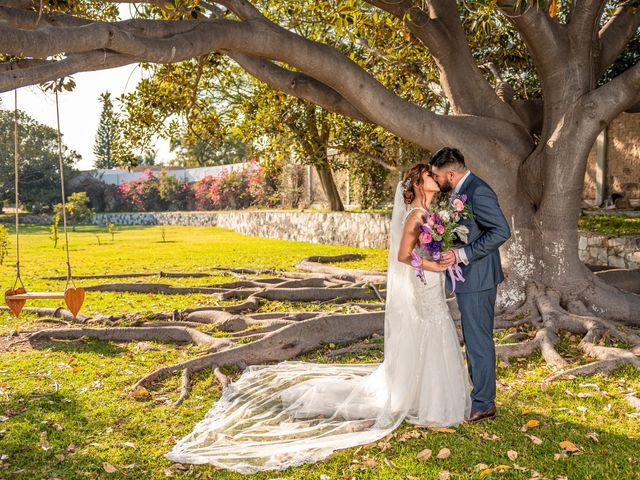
(254, 186)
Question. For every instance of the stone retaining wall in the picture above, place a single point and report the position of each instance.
(606, 250)
(333, 228)
(352, 229)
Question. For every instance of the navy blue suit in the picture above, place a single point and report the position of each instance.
(476, 296)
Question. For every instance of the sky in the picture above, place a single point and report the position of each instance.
(80, 109)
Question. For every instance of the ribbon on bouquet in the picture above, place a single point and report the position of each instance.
(455, 273)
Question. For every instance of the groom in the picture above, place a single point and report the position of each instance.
(481, 268)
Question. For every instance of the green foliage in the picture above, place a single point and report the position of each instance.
(106, 135)
(111, 230)
(77, 208)
(176, 194)
(38, 161)
(610, 224)
(4, 243)
(369, 181)
(53, 229)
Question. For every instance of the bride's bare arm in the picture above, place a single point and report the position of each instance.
(409, 240)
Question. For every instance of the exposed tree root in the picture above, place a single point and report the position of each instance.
(151, 288)
(185, 387)
(288, 342)
(317, 265)
(221, 377)
(256, 338)
(129, 334)
(355, 348)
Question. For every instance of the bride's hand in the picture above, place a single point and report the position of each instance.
(433, 265)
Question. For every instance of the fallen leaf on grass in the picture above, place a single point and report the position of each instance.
(129, 444)
(370, 463)
(533, 423)
(444, 475)
(443, 430)
(109, 468)
(140, 392)
(512, 454)
(44, 442)
(568, 446)
(489, 471)
(593, 436)
(535, 440)
(491, 438)
(443, 453)
(424, 454)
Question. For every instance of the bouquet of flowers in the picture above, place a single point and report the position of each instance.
(439, 231)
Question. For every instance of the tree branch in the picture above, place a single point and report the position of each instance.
(603, 104)
(21, 73)
(616, 34)
(545, 39)
(297, 84)
(441, 32)
(500, 141)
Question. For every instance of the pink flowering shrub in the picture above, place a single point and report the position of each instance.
(254, 186)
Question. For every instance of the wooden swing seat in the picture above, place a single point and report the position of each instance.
(16, 298)
(35, 296)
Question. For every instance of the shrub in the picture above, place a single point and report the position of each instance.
(77, 207)
(4, 243)
(176, 194)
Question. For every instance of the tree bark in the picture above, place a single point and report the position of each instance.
(329, 186)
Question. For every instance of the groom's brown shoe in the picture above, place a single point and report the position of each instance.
(479, 415)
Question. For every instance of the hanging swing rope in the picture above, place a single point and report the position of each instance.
(17, 179)
(16, 297)
(64, 198)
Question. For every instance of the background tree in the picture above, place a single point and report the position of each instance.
(38, 156)
(106, 135)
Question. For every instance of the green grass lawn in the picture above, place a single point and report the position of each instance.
(610, 224)
(90, 426)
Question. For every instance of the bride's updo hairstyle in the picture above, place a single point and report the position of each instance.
(411, 177)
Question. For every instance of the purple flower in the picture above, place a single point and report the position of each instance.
(463, 197)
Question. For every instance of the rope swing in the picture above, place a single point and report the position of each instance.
(16, 296)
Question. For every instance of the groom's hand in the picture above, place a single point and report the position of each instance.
(448, 258)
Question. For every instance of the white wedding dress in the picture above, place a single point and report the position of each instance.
(277, 416)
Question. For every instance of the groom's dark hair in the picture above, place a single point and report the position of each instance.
(448, 156)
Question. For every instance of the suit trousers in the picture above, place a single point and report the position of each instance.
(477, 310)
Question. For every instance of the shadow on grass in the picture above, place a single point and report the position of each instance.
(82, 345)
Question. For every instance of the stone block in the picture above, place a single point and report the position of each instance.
(617, 262)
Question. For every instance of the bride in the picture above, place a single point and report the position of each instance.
(277, 416)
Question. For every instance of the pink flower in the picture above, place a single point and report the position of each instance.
(458, 205)
(440, 229)
(425, 238)
(430, 221)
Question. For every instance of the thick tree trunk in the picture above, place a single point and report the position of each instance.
(329, 186)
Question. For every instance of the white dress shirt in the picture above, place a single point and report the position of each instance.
(461, 254)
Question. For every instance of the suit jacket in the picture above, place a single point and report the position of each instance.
(488, 229)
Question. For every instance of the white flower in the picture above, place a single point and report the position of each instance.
(462, 233)
(444, 214)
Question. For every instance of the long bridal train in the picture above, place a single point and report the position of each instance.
(290, 413)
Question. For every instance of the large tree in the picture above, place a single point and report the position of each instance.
(572, 61)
